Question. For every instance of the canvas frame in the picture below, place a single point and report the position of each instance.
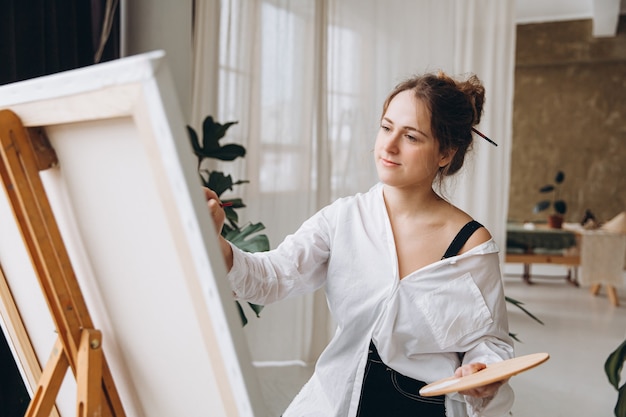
(128, 201)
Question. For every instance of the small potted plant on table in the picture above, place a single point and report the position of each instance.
(555, 219)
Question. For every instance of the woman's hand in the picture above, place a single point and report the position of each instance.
(219, 217)
(215, 208)
(479, 392)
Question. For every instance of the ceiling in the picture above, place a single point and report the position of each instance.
(605, 13)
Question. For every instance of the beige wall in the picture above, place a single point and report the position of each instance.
(569, 114)
(149, 25)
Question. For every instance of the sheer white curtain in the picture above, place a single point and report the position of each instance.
(306, 80)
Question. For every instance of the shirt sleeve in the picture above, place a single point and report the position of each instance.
(495, 345)
(297, 266)
(496, 406)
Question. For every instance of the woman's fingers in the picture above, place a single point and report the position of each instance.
(210, 194)
(479, 392)
(212, 198)
(469, 369)
(215, 209)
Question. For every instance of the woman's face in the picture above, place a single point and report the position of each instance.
(407, 154)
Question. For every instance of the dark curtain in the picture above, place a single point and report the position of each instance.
(40, 37)
(14, 398)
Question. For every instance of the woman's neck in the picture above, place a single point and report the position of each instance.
(404, 202)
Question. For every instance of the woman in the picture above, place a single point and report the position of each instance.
(412, 281)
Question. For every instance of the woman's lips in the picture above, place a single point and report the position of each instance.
(387, 162)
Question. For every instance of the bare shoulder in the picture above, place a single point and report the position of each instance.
(480, 236)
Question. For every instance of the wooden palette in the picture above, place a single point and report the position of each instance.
(492, 373)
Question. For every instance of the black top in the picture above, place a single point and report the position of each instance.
(461, 237)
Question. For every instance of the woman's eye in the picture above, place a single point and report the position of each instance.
(385, 128)
(411, 138)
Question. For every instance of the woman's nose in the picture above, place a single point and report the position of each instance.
(391, 143)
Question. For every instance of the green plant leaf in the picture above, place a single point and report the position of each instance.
(560, 206)
(614, 363)
(519, 305)
(210, 147)
(234, 203)
(259, 243)
(243, 240)
(195, 143)
(541, 206)
(211, 134)
(228, 152)
(546, 188)
(214, 130)
(232, 216)
(620, 407)
(256, 308)
(244, 232)
(242, 315)
(560, 176)
(226, 229)
(219, 182)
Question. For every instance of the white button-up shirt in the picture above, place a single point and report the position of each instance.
(424, 325)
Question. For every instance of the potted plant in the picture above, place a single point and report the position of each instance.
(555, 219)
(613, 368)
(244, 237)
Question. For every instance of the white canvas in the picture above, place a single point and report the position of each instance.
(131, 211)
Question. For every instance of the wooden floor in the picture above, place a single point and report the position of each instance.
(580, 330)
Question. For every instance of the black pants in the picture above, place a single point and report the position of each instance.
(387, 393)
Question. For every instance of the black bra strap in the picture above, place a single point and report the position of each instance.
(461, 237)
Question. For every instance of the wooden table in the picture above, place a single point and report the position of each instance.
(538, 244)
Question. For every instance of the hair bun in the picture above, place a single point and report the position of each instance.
(475, 91)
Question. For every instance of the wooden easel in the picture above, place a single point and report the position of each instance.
(23, 153)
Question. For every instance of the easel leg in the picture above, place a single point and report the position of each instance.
(45, 396)
(23, 154)
(89, 374)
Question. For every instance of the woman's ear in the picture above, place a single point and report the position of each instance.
(446, 157)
